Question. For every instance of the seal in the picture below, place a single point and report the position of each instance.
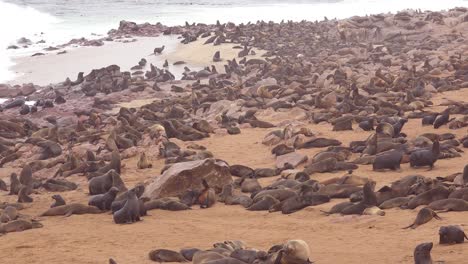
(244, 255)
(442, 119)
(279, 194)
(227, 196)
(58, 200)
(18, 226)
(143, 162)
(25, 177)
(428, 197)
(250, 185)
(450, 204)
(294, 251)
(451, 235)
(425, 157)
(263, 204)
(424, 215)
(130, 212)
(23, 195)
(207, 197)
(101, 184)
(15, 184)
(158, 50)
(165, 255)
(338, 208)
(3, 186)
(10, 213)
(217, 56)
(422, 253)
(387, 160)
(112, 261)
(104, 201)
(70, 209)
(339, 190)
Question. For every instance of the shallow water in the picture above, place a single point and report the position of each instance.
(58, 21)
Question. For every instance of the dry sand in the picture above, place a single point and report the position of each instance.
(332, 239)
(53, 68)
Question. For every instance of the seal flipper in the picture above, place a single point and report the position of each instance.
(69, 212)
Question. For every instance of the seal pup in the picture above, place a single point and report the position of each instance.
(425, 157)
(15, 184)
(165, 255)
(143, 162)
(58, 201)
(422, 253)
(19, 225)
(207, 197)
(451, 235)
(130, 212)
(104, 201)
(424, 215)
(25, 177)
(69, 209)
(10, 213)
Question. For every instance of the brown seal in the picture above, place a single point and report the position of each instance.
(388, 160)
(143, 162)
(15, 184)
(102, 184)
(294, 251)
(130, 212)
(23, 195)
(169, 204)
(451, 235)
(428, 197)
(10, 213)
(112, 261)
(279, 194)
(58, 200)
(18, 226)
(227, 196)
(338, 208)
(450, 204)
(424, 215)
(3, 186)
(165, 255)
(395, 202)
(69, 209)
(250, 185)
(207, 197)
(422, 253)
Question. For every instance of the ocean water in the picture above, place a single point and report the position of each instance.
(57, 21)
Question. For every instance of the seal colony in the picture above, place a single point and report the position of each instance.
(335, 124)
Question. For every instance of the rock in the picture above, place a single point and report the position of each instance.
(183, 176)
(293, 158)
(7, 91)
(27, 89)
(24, 41)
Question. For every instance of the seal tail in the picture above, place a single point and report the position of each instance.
(410, 226)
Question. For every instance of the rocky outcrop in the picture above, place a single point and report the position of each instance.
(189, 175)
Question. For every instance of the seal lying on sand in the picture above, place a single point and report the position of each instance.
(69, 209)
(388, 160)
(165, 255)
(104, 201)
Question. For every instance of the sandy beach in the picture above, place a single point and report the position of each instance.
(360, 68)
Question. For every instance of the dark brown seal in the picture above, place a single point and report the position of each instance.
(69, 209)
(424, 215)
(15, 184)
(388, 160)
(143, 162)
(451, 235)
(422, 253)
(263, 204)
(425, 157)
(58, 200)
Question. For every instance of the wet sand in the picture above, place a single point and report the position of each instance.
(332, 239)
